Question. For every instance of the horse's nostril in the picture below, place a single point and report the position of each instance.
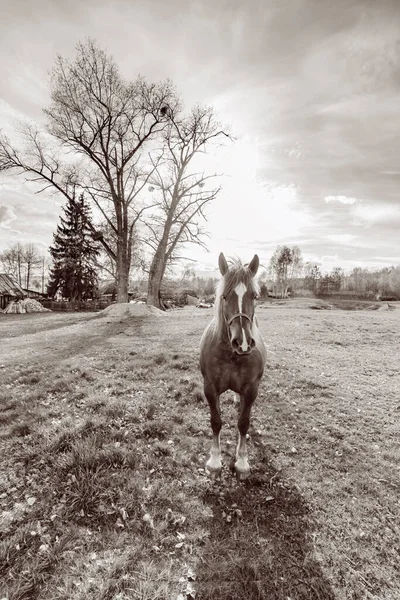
(252, 343)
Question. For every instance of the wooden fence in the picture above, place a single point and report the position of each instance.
(71, 306)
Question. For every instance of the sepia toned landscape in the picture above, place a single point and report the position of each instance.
(199, 300)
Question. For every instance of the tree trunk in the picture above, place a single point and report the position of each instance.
(28, 275)
(154, 287)
(153, 292)
(122, 271)
(156, 275)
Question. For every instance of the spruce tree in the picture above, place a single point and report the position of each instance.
(73, 252)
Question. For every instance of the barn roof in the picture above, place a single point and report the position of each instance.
(9, 287)
(109, 287)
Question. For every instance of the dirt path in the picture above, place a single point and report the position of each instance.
(51, 337)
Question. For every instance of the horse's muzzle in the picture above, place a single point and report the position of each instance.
(244, 347)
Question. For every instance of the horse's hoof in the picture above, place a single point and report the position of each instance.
(214, 470)
(242, 469)
(215, 473)
(242, 475)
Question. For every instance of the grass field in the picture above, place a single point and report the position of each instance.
(104, 437)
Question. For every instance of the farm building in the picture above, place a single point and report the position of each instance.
(9, 290)
(108, 290)
(34, 293)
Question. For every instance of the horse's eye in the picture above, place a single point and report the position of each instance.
(223, 297)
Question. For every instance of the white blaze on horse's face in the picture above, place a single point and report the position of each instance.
(240, 307)
(240, 290)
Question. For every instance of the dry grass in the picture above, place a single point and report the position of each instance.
(104, 436)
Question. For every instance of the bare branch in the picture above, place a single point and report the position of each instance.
(183, 197)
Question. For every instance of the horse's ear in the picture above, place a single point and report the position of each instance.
(223, 265)
(253, 266)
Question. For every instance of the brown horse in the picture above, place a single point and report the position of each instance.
(232, 355)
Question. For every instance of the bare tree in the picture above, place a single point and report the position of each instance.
(32, 260)
(182, 194)
(312, 277)
(285, 264)
(295, 267)
(12, 261)
(20, 260)
(188, 273)
(106, 123)
(394, 281)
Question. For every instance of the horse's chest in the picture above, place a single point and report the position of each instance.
(237, 373)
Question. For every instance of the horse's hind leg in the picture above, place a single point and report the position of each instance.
(242, 466)
(214, 464)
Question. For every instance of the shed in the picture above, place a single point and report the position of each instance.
(9, 290)
(108, 289)
(34, 293)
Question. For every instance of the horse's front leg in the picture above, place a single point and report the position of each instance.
(214, 464)
(242, 466)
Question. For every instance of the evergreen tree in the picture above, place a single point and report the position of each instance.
(73, 252)
(209, 288)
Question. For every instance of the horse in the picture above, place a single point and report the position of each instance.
(232, 356)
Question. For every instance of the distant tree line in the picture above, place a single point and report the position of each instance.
(77, 272)
(287, 273)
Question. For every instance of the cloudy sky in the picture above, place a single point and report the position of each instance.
(311, 88)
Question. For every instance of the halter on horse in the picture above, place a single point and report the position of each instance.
(233, 355)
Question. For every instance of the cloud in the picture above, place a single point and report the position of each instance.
(24, 216)
(341, 199)
(377, 214)
(7, 216)
(342, 238)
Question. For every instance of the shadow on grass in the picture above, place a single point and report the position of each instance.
(259, 547)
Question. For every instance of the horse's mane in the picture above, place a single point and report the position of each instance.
(236, 273)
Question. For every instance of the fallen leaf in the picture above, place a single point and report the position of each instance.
(148, 519)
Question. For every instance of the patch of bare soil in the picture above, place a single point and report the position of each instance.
(332, 304)
(314, 303)
(125, 310)
(54, 336)
(356, 305)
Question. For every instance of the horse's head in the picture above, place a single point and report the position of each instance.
(238, 292)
